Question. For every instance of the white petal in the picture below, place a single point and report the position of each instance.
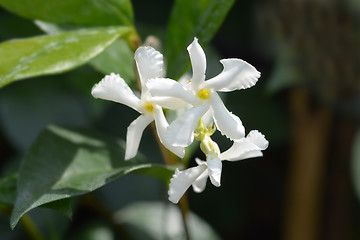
(112, 87)
(248, 147)
(237, 74)
(168, 102)
(199, 161)
(208, 117)
(181, 130)
(134, 133)
(238, 149)
(198, 62)
(149, 63)
(161, 126)
(200, 183)
(214, 166)
(258, 139)
(164, 87)
(181, 181)
(250, 154)
(228, 123)
(185, 79)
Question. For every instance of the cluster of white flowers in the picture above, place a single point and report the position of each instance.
(205, 104)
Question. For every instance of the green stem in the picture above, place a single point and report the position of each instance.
(30, 228)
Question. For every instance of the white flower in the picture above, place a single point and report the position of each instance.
(247, 147)
(112, 87)
(237, 74)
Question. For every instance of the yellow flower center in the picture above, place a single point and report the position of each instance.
(203, 134)
(149, 107)
(203, 94)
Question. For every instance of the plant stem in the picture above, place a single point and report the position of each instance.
(30, 228)
(172, 159)
(184, 208)
(134, 40)
(169, 157)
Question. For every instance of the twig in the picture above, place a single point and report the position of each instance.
(184, 208)
(171, 159)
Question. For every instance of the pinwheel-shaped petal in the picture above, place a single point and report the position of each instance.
(247, 147)
(237, 74)
(182, 180)
(112, 87)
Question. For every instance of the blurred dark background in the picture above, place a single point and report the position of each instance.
(307, 103)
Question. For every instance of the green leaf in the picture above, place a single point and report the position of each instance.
(158, 220)
(78, 12)
(118, 58)
(63, 163)
(15, 27)
(191, 19)
(63, 206)
(8, 196)
(8, 189)
(53, 53)
(157, 171)
(52, 28)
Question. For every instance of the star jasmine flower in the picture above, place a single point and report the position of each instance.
(112, 87)
(247, 147)
(202, 95)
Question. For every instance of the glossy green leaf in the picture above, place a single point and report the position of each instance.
(63, 163)
(15, 27)
(158, 220)
(80, 12)
(191, 19)
(8, 196)
(52, 28)
(157, 171)
(117, 58)
(63, 206)
(53, 53)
